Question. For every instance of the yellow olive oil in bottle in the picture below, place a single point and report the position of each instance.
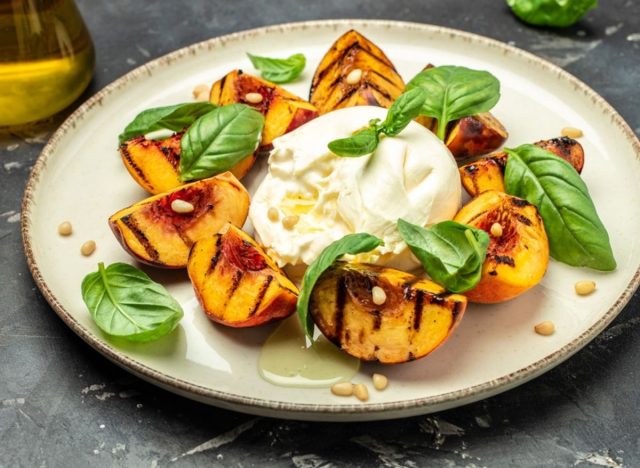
(46, 58)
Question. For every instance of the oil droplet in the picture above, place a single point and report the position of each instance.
(285, 359)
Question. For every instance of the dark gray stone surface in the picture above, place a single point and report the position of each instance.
(63, 405)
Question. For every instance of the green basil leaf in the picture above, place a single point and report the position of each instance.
(576, 235)
(451, 253)
(174, 118)
(455, 92)
(279, 70)
(403, 110)
(359, 144)
(124, 302)
(350, 244)
(558, 13)
(219, 140)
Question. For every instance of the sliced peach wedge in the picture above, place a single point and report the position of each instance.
(282, 110)
(518, 252)
(160, 230)
(237, 283)
(354, 72)
(415, 318)
(475, 135)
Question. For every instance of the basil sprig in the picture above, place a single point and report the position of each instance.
(124, 302)
(558, 13)
(219, 140)
(174, 118)
(454, 92)
(279, 70)
(576, 234)
(402, 111)
(451, 253)
(350, 244)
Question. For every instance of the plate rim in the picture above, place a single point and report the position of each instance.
(299, 410)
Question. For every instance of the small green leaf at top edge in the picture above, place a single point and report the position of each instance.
(359, 144)
(219, 140)
(350, 244)
(124, 302)
(175, 118)
(576, 234)
(279, 70)
(451, 253)
(556, 13)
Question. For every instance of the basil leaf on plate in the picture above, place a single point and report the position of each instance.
(454, 92)
(403, 110)
(350, 244)
(124, 302)
(360, 143)
(576, 234)
(558, 13)
(173, 118)
(451, 253)
(279, 70)
(219, 140)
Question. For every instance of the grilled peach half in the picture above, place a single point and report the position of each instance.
(237, 283)
(475, 135)
(488, 173)
(282, 110)
(155, 164)
(154, 232)
(416, 317)
(354, 72)
(517, 259)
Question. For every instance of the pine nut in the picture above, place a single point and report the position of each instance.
(545, 328)
(354, 76)
(88, 248)
(380, 381)
(65, 229)
(378, 295)
(342, 389)
(201, 92)
(496, 229)
(584, 288)
(181, 206)
(361, 392)
(571, 132)
(273, 214)
(290, 221)
(253, 98)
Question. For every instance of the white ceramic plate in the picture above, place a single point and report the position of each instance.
(80, 177)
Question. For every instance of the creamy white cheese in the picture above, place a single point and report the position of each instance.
(411, 176)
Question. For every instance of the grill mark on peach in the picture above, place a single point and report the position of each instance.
(417, 309)
(377, 73)
(519, 202)
(523, 219)
(378, 90)
(222, 82)
(456, 309)
(341, 298)
(171, 155)
(124, 151)
(261, 294)
(235, 282)
(377, 319)
(187, 242)
(214, 260)
(504, 260)
(132, 225)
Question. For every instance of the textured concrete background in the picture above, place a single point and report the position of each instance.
(62, 404)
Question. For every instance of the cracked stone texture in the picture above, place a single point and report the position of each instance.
(62, 404)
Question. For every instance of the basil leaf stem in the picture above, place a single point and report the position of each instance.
(124, 302)
(451, 253)
(576, 234)
(350, 244)
(454, 92)
(219, 140)
(279, 70)
(174, 118)
(402, 111)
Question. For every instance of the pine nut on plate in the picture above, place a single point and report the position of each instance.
(200, 89)
(361, 392)
(571, 132)
(88, 248)
(342, 389)
(380, 381)
(65, 228)
(545, 328)
(585, 287)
